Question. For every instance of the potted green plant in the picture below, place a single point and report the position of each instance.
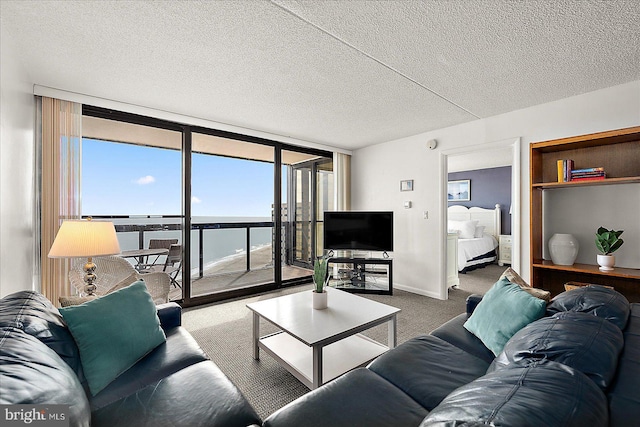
(607, 242)
(320, 280)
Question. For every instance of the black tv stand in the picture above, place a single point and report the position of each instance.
(362, 274)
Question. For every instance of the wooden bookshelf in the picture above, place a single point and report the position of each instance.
(606, 181)
(618, 152)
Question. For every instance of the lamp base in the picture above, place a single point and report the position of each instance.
(90, 277)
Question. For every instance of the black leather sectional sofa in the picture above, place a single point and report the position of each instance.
(577, 366)
(174, 385)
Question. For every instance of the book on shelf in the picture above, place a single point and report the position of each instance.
(589, 178)
(587, 170)
(588, 174)
(595, 173)
(565, 166)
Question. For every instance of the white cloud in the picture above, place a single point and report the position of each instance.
(194, 199)
(145, 180)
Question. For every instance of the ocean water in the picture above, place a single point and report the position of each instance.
(218, 245)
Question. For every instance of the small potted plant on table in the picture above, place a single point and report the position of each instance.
(320, 280)
(607, 242)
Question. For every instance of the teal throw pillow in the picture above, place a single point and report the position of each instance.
(113, 332)
(503, 311)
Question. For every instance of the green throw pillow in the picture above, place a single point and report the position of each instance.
(113, 332)
(503, 311)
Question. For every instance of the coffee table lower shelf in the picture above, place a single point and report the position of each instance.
(337, 358)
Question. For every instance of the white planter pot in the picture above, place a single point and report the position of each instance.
(319, 300)
(563, 249)
(606, 262)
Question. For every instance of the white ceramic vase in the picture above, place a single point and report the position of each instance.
(319, 300)
(606, 262)
(563, 249)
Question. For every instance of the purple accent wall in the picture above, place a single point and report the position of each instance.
(488, 187)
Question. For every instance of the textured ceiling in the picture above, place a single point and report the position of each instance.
(341, 73)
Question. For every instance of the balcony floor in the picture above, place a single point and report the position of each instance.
(239, 279)
(231, 274)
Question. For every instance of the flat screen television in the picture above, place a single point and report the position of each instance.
(355, 230)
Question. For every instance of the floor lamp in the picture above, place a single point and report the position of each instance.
(85, 239)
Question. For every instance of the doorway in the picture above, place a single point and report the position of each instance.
(310, 195)
(484, 156)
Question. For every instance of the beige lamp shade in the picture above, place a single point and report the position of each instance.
(85, 238)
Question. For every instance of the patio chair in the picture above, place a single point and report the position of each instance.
(172, 265)
(157, 244)
(114, 273)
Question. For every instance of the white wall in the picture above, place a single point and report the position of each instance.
(17, 118)
(580, 211)
(377, 171)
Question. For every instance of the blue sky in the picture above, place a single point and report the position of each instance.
(125, 179)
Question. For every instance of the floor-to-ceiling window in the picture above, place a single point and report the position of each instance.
(232, 213)
(253, 207)
(132, 174)
(309, 181)
(325, 198)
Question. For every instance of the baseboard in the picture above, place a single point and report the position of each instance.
(413, 290)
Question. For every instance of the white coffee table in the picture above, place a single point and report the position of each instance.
(317, 346)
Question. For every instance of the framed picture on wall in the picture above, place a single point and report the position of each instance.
(459, 191)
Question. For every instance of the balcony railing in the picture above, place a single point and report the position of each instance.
(141, 229)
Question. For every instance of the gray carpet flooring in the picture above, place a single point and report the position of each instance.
(223, 330)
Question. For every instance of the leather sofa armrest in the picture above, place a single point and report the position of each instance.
(170, 315)
(472, 301)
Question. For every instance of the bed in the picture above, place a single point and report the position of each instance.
(478, 232)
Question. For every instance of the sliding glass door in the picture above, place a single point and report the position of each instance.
(246, 212)
(310, 194)
(232, 213)
(302, 210)
(325, 200)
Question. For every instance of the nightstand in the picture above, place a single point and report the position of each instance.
(504, 251)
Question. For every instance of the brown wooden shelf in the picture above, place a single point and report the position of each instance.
(607, 181)
(627, 273)
(618, 153)
(590, 140)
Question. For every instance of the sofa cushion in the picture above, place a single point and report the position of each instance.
(179, 351)
(170, 315)
(32, 373)
(428, 368)
(624, 393)
(596, 300)
(35, 315)
(358, 398)
(503, 311)
(199, 395)
(114, 332)
(533, 394)
(584, 342)
(453, 333)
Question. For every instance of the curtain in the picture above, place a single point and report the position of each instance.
(59, 187)
(342, 171)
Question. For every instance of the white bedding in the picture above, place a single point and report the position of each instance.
(471, 248)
